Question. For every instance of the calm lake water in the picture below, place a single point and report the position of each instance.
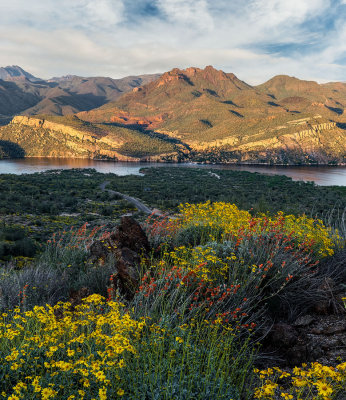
(320, 175)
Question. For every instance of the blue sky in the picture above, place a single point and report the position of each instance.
(255, 39)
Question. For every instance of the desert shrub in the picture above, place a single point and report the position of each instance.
(61, 268)
(101, 350)
(175, 295)
(232, 280)
(306, 231)
(316, 381)
(160, 229)
(191, 361)
(107, 210)
(323, 287)
(14, 243)
(26, 247)
(42, 284)
(3, 249)
(69, 247)
(265, 258)
(196, 235)
(78, 353)
(12, 233)
(35, 285)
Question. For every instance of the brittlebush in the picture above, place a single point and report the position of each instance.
(234, 222)
(318, 382)
(56, 352)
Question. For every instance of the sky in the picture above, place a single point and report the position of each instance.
(254, 39)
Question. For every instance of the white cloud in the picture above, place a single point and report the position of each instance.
(276, 12)
(91, 38)
(102, 11)
(192, 12)
(52, 14)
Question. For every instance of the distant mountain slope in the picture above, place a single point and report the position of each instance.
(15, 97)
(22, 93)
(16, 73)
(211, 116)
(210, 109)
(307, 95)
(57, 136)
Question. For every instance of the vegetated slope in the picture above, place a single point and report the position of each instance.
(72, 94)
(23, 93)
(57, 136)
(283, 120)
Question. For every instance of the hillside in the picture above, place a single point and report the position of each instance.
(209, 109)
(213, 300)
(56, 136)
(14, 73)
(213, 116)
(22, 93)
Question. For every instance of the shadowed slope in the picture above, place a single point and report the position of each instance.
(21, 92)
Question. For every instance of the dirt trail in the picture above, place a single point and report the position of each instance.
(138, 204)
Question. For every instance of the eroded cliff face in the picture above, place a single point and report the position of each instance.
(39, 137)
(302, 140)
(325, 137)
(53, 126)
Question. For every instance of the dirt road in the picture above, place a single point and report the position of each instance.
(138, 204)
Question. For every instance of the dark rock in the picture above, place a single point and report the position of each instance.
(324, 304)
(331, 330)
(305, 320)
(130, 234)
(322, 307)
(98, 252)
(128, 246)
(76, 296)
(297, 354)
(316, 331)
(314, 350)
(283, 335)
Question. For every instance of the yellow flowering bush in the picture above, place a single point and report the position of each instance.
(97, 351)
(201, 260)
(197, 360)
(318, 382)
(59, 352)
(218, 214)
(234, 223)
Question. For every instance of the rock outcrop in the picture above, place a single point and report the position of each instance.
(314, 337)
(128, 247)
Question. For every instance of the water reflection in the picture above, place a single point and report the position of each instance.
(320, 175)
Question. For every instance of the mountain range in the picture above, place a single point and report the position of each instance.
(23, 93)
(194, 114)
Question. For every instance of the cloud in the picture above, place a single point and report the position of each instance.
(273, 13)
(255, 39)
(194, 14)
(103, 11)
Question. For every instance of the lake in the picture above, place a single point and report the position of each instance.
(323, 176)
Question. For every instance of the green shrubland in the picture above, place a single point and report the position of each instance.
(216, 274)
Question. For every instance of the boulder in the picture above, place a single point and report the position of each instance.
(283, 336)
(127, 247)
(131, 235)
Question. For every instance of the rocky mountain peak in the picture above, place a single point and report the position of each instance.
(14, 72)
(193, 74)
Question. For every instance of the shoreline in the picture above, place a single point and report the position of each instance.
(177, 162)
